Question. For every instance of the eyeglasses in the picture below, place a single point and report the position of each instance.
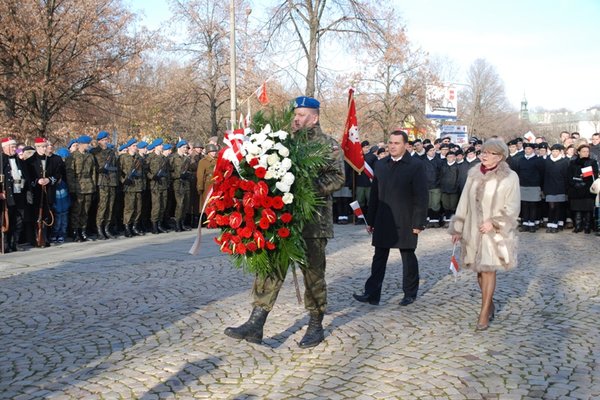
(489, 153)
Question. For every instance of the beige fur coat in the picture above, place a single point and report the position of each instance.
(494, 196)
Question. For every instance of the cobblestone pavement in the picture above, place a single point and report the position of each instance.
(140, 318)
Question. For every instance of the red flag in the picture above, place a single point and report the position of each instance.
(262, 94)
(587, 171)
(454, 263)
(351, 141)
(357, 210)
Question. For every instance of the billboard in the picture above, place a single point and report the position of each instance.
(457, 133)
(441, 102)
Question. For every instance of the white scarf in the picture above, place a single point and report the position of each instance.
(16, 175)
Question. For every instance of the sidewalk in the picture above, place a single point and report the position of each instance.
(141, 319)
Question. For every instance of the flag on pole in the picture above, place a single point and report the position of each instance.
(587, 171)
(351, 141)
(262, 94)
(357, 210)
(454, 263)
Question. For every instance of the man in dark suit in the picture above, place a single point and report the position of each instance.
(397, 214)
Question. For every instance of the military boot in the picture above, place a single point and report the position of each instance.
(578, 223)
(100, 233)
(162, 229)
(314, 333)
(136, 230)
(128, 232)
(82, 235)
(107, 232)
(251, 330)
(178, 226)
(155, 228)
(587, 222)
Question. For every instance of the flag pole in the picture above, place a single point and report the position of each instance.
(232, 77)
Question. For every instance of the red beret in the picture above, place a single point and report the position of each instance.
(39, 140)
(7, 141)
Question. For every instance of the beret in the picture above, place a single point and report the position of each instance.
(62, 152)
(167, 146)
(84, 139)
(102, 135)
(306, 102)
(181, 143)
(142, 145)
(156, 142)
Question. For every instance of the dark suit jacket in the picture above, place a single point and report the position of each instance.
(398, 202)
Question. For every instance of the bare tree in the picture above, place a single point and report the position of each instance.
(59, 55)
(484, 106)
(304, 23)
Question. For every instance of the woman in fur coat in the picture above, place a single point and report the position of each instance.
(485, 222)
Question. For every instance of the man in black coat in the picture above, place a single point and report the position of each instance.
(397, 214)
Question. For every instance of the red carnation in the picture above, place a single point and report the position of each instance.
(245, 232)
(264, 223)
(240, 248)
(251, 247)
(260, 172)
(253, 162)
(283, 232)
(270, 246)
(277, 202)
(267, 202)
(286, 218)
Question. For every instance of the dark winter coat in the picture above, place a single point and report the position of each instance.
(53, 171)
(579, 187)
(398, 202)
(432, 172)
(555, 176)
(530, 171)
(449, 178)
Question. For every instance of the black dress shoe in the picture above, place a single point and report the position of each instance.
(366, 298)
(407, 300)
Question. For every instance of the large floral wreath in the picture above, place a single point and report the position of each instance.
(262, 196)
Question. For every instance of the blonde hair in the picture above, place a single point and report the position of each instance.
(497, 146)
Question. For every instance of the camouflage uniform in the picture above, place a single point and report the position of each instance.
(81, 178)
(108, 179)
(181, 177)
(158, 178)
(134, 182)
(204, 174)
(329, 179)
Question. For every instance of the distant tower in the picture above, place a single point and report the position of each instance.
(524, 114)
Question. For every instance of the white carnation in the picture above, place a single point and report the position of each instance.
(288, 178)
(267, 144)
(283, 151)
(269, 174)
(262, 161)
(258, 138)
(266, 130)
(287, 198)
(282, 135)
(273, 159)
(282, 187)
(286, 164)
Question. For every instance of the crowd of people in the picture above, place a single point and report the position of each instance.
(554, 180)
(92, 188)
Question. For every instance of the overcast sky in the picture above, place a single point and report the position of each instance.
(547, 50)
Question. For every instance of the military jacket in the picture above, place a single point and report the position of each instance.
(107, 165)
(81, 173)
(181, 174)
(132, 172)
(329, 179)
(158, 171)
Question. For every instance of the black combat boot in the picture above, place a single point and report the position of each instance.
(107, 232)
(314, 333)
(101, 235)
(178, 226)
(155, 228)
(251, 330)
(162, 229)
(578, 223)
(137, 231)
(82, 235)
(128, 232)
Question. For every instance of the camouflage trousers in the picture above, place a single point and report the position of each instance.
(159, 204)
(182, 201)
(266, 290)
(106, 203)
(132, 207)
(80, 207)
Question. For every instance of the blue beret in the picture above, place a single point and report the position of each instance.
(102, 135)
(71, 143)
(181, 143)
(84, 139)
(129, 143)
(150, 147)
(63, 152)
(167, 146)
(156, 142)
(122, 147)
(110, 146)
(306, 102)
(142, 144)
